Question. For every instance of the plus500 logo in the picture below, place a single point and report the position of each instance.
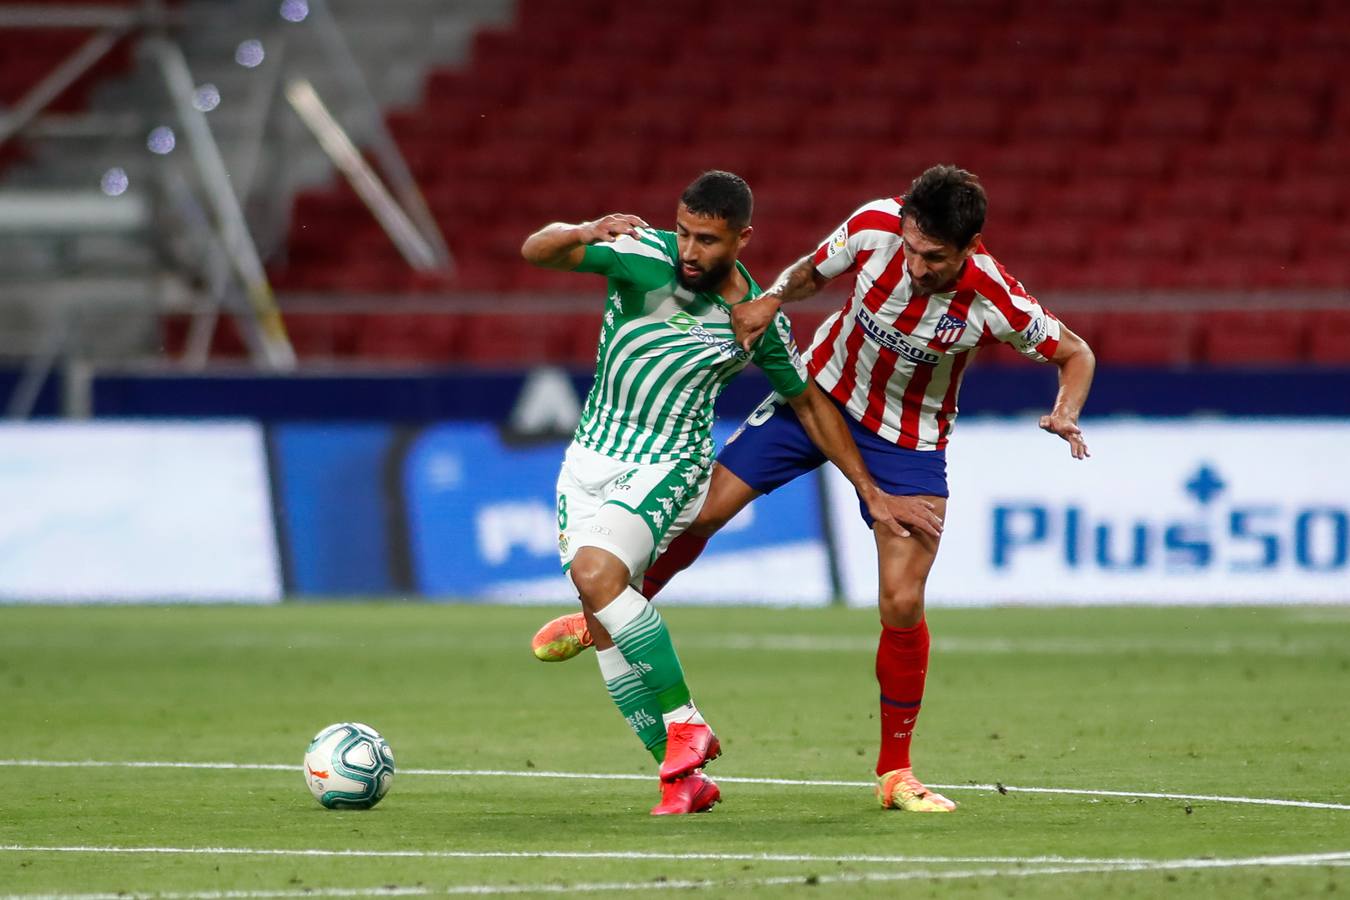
(1240, 539)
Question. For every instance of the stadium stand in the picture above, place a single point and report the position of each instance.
(1191, 150)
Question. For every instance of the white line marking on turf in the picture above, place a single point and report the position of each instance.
(631, 855)
(651, 856)
(1312, 859)
(728, 779)
(1170, 646)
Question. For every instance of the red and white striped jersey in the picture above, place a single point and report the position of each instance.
(893, 357)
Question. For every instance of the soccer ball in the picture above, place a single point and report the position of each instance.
(349, 766)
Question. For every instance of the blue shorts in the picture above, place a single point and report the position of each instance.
(772, 448)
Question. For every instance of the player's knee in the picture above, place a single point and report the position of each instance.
(598, 577)
(707, 525)
(902, 607)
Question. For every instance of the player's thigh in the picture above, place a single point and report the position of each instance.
(727, 495)
(903, 564)
(628, 510)
(580, 494)
(667, 498)
(770, 449)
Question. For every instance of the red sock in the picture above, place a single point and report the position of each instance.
(902, 662)
(679, 556)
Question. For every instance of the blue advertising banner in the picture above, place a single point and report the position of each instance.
(334, 511)
(482, 525)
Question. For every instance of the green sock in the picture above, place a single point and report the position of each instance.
(645, 642)
(638, 707)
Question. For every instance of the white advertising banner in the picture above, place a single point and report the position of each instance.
(127, 512)
(1165, 512)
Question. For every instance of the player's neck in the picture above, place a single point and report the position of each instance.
(734, 288)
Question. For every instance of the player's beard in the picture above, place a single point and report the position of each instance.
(710, 278)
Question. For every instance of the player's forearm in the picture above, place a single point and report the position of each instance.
(825, 426)
(554, 246)
(797, 282)
(1075, 380)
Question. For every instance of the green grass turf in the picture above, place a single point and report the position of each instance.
(1245, 702)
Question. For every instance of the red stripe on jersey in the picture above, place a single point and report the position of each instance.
(825, 349)
(874, 220)
(822, 252)
(911, 407)
(876, 388)
(848, 377)
(860, 260)
(881, 289)
(944, 418)
(998, 295)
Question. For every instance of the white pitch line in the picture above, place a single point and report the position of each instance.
(626, 855)
(653, 856)
(1312, 859)
(727, 779)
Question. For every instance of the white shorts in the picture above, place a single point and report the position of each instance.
(630, 509)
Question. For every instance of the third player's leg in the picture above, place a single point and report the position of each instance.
(903, 565)
(727, 496)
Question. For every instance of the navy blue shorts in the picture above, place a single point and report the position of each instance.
(772, 448)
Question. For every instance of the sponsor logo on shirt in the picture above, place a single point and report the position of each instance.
(893, 340)
(1034, 333)
(687, 324)
(838, 241)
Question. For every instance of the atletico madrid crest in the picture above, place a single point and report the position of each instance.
(949, 329)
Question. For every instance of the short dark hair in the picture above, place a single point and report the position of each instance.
(720, 195)
(948, 204)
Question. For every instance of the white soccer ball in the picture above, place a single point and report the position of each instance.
(349, 766)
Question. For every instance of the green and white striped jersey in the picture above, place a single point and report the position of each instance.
(666, 353)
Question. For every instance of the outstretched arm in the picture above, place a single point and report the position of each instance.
(562, 246)
(826, 427)
(798, 281)
(1076, 364)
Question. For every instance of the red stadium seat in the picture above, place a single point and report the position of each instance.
(1161, 337)
(1314, 196)
(1329, 337)
(1284, 115)
(1065, 118)
(578, 336)
(1197, 196)
(1032, 158)
(1325, 157)
(1200, 73)
(1189, 118)
(1246, 33)
(409, 337)
(1252, 338)
(321, 336)
(1145, 161)
(514, 340)
(1105, 200)
(974, 118)
(1255, 159)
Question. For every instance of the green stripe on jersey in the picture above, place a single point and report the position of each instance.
(665, 354)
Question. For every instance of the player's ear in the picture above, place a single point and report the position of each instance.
(974, 242)
(744, 237)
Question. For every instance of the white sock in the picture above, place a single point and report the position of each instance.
(612, 664)
(622, 610)
(683, 715)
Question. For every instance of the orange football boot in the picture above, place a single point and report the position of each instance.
(901, 790)
(562, 639)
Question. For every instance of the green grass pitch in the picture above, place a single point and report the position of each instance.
(1238, 703)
